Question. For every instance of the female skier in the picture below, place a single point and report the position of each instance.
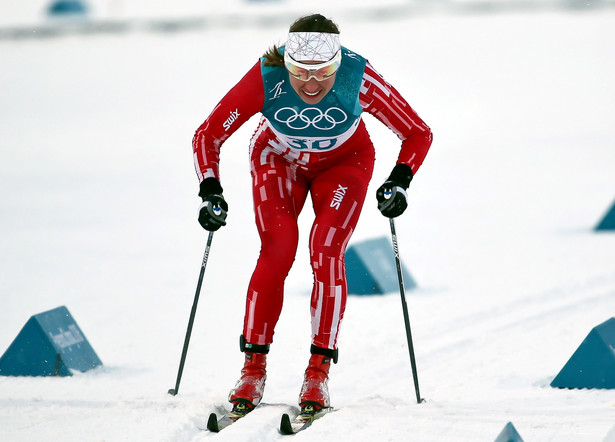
(310, 140)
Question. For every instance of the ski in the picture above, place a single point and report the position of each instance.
(303, 420)
(216, 425)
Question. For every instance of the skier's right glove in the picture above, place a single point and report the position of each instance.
(213, 210)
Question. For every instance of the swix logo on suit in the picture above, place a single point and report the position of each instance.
(338, 196)
(230, 120)
(317, 127)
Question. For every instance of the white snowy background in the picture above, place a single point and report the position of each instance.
(98, 213)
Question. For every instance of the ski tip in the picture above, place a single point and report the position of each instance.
(212, 423)
(285, 425)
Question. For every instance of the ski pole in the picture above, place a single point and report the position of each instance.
(402, 292)
(174, 391)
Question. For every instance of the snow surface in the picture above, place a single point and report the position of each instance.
(98, 212)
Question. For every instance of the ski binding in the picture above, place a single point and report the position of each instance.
(303, 420)
(240, 409)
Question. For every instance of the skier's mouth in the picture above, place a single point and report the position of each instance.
(311, 94)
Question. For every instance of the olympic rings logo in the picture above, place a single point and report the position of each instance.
(311, 116)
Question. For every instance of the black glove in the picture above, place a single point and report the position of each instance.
(391, 196)
(213, 210)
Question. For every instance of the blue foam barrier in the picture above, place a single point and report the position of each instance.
(509, 434)
(50, 344)
(592, 365)
(608, 221)
(371, 268)
(67, 7)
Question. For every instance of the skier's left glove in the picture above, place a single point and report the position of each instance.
(213, 210)
(391, 196)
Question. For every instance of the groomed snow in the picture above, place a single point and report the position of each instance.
(98, 213)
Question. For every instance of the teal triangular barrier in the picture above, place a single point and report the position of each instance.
(371, 268)
(608, 221)
(67, 7)
(509, 434)
(592, 365)
(50, 344)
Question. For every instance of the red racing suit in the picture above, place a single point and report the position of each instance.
(298, 149)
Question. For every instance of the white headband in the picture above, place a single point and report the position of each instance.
(312, 46)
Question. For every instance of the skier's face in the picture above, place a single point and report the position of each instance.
(312, 91)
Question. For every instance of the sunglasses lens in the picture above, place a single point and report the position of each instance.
(296, 71)
(327, 71)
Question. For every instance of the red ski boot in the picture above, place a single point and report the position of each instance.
(249, 388)
(315, 391)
